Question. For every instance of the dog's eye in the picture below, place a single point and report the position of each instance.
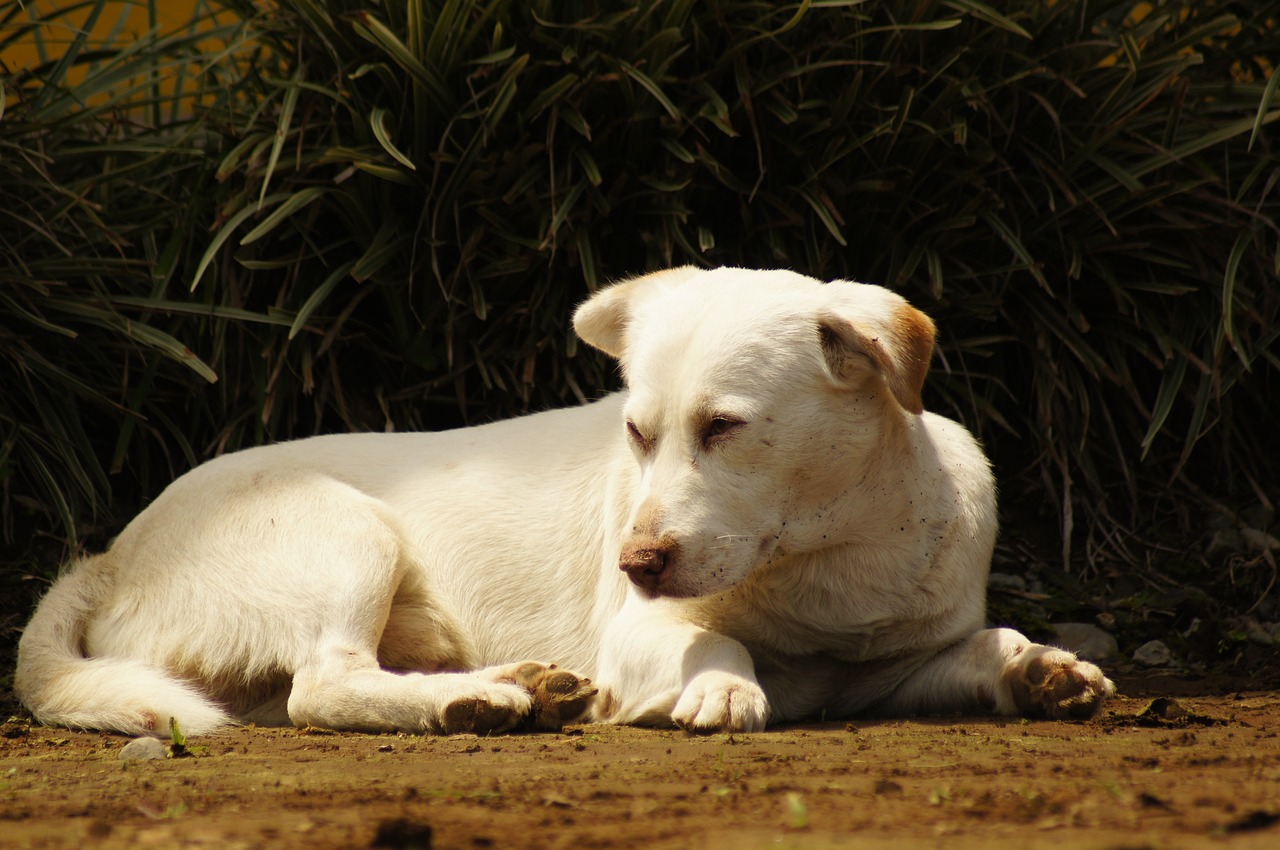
(642, 442)
(719, 428)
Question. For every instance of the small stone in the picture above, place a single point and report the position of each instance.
(1007, 582)
(1225, 543)
(887, 786)
(1258, 516)
(1240, 541)
(1086, 641)
(144, 749)
(1259, 541)
(1153, 654)
(1255, 631)
(1164, 708)
(403, 834)
(12, 729)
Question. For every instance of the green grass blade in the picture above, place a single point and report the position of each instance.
(1016, 245)
(287, 208)
(983, 12)
(379, 121)
(225, 232)
(318, 296)
(1170, 386)
(282, 131)
(377, 33)
(1243, 242)
(652, 88)
(1264, 105)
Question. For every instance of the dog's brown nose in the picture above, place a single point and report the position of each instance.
(647, 566)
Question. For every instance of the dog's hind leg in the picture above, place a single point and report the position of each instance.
(372, 613)
(342, 687)
(284, 595)
(1001, 671)
(382, 639)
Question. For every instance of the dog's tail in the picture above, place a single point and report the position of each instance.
(60, 686)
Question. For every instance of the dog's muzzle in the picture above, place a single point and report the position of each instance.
(647, 566)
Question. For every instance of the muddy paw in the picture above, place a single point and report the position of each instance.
(1053, 683)
(559, 697)
(478, 715)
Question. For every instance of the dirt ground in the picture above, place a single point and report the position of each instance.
(1152, 771)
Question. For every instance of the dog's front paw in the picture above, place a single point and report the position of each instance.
(486, 709)
(1048, 682)
(559, 697)
(721, 702)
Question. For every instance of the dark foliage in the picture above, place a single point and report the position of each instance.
(361, 215)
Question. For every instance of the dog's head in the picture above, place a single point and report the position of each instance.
(764, 409)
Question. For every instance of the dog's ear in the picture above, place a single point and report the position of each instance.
(602, 320)
(899, 349)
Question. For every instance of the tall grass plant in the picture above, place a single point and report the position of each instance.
(372, 215)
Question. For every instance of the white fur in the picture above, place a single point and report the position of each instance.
(802, 540)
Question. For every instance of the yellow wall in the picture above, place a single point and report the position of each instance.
(120, 22)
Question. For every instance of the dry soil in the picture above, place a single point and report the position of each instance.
(1192, 771)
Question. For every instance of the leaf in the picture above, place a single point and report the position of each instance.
(175, 732)
(984, 12)
(1170, 385)
(318, 296)
(282, 130)
(1264, 105)
(378, 120)
(149, 336)
(1208, 140)
(797, 811)
(551, 95)
(54, 487)
(589, 166)
(386, 244)
(377, 33)
(1242, 244)
(802, 9)
(288, 207)
(825, 215)
(1015, 244)
(386, 172)
(653, 88)
(192, 308)
(927, 26)
(224, 233)
(54, 79)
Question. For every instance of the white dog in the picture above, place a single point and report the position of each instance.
(764, 526)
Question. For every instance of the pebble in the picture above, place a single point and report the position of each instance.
(1087, 641)
(1240, 541)
(1153, 653)
(1004, 581)
(1256, 632)
(144, 749)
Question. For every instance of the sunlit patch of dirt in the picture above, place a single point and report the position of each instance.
(1150, 772)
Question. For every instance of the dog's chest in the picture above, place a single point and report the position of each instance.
(859, 618)
(838, 631)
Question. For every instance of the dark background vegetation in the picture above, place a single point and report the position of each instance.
(299, 217)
